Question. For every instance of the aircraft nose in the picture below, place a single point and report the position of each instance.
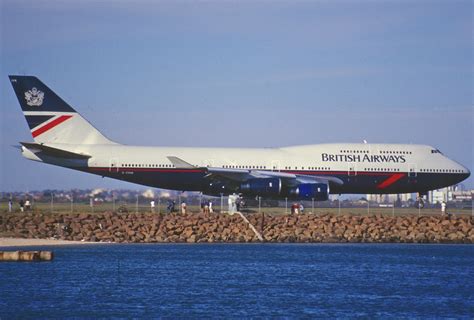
(465, 173)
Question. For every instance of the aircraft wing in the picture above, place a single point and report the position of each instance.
(241, 175)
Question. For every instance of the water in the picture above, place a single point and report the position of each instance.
(243, 280)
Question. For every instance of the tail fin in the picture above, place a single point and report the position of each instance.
(50, 118)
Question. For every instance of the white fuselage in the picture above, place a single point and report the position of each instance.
(363, 164)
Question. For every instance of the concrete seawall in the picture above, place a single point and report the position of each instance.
(192, 228)
(6, 256)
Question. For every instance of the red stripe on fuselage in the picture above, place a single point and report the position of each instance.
(394, 178)
(353, 173)
(121, 169)
(365, 173)
(50, 125)
(334, 173)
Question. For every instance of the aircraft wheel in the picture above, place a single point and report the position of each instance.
(421, 204)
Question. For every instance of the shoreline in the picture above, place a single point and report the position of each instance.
(6, 243)
(84, 228)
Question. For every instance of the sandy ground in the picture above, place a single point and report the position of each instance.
(20, 242)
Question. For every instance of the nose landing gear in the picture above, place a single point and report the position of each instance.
(420, 200)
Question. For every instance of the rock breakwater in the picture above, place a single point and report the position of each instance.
(197, 228)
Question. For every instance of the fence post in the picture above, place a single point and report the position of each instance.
(200, 201)
(339, 205)
(136, 205)
(222, 202)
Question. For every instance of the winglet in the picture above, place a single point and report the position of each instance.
(179, 163)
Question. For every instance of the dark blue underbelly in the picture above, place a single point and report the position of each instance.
(359, 183)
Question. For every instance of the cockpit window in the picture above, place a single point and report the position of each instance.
(436, 151)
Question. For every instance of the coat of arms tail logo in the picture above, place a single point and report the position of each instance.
(34, 97)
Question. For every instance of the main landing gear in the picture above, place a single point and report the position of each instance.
(420, 201)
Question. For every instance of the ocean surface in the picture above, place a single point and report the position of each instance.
(242, 281)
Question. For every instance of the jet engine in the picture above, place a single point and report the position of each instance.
(261, 187)
(308, 191)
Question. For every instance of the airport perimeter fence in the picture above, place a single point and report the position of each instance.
(220, 205)
(162, 205)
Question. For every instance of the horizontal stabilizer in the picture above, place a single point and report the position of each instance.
(54, 152)
(180, 163)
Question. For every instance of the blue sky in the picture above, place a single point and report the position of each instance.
(241, 74)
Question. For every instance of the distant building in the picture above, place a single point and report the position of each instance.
(444, 194)
(437, 196)
(463, 195)
(389, 198)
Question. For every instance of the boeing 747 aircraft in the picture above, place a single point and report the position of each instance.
(64, 138)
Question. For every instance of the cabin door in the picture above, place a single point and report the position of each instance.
(412, 171)
(275, 165)
(352, 169)
(113, 165)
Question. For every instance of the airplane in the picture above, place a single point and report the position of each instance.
(62, 137)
